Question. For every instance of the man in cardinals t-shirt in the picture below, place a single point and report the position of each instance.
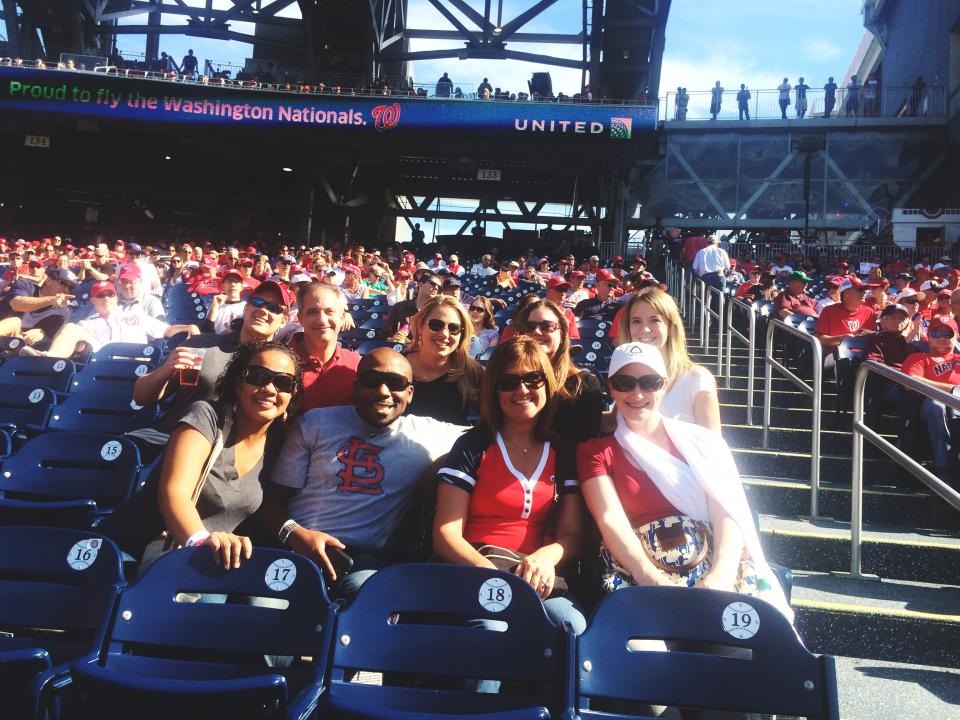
(940, 368)
(847, 318)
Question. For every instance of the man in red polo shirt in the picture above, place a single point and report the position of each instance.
(328, 369)
(794, 299)
(940, 368)
(847, 318)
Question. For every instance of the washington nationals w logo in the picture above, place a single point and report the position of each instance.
(386, 117)
(362, 471)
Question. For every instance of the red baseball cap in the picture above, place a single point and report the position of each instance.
(282, 289)
(577, 274)
(128, 272)
(102, 286)
(557, 283)
(606, 276)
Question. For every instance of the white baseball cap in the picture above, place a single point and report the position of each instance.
(637, 353)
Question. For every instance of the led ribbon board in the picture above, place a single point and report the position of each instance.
(138, 99)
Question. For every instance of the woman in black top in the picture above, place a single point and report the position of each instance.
(580, 396)
(446, 379)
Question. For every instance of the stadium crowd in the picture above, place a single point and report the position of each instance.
(532, 414)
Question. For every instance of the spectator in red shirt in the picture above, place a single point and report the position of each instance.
(691, 246)
(507, 487)
(939, 367)
(794, 299)
(941, 310)
(753, 280)
(328, 369)
(848, 318)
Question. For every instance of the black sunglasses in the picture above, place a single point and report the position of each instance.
(545, 326)
(437, 325)
(531, 381)
(259, 376)
(627, 383)
(940, 333)
(373, 380)
(478, 308)
(105, 295)
(259, 302)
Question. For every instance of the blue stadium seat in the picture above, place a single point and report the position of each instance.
(368, 345)
(174, 651)
(374, 323)
(147, 353)
(58, 589)
(595, 360)
(52, 373)
(590, 328)
(423, 614)
(779, 676)
(351, 338)
(6, 445)
(110, 374)
(10, 346)
(23, 407)
(66, 479)
(102, 408)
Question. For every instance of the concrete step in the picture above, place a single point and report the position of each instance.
(883, 690)
(823, 545)
(789, 417)
(888, 505)
(879, 619)
(791, 465)
(832, 442)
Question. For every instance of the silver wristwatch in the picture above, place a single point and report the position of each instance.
(288, 527)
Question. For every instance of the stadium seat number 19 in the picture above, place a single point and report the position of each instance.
(740, 620)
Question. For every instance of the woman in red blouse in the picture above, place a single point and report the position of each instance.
(505, 486)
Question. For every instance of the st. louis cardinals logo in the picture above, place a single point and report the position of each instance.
(362, 471)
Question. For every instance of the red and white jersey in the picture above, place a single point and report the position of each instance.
(131, 325)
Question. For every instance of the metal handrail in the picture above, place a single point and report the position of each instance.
(814, 392)
(709, 313)
(861, 431)
(749, 340)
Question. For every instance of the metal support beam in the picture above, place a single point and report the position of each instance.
(523, 18)
(674, 150)
(742, 212)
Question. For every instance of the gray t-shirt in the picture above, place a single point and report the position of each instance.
(355, 480)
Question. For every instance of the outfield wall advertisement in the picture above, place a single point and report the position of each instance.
(110, 96)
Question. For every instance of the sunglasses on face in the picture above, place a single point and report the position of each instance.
(437, 325)
(477, 309)
(941, 333)
(259, 302)
(105, 295)
(545, 326)
(627, 383)
(374, 380)
(259, 376)
(531, 381)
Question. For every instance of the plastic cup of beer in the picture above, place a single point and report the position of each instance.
(190, 377)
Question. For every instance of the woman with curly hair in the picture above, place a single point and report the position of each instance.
(651, 316)
(446, 379)
(579, 395)
(256, 393)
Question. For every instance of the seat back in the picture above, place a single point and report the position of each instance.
(779, 677)
(852, 347)
(590, 329)
(415, 619)
(145, 353)
(368, 345)
(53, 579)
(111, 373)
(71, 466)
(22, 405)
(101, 408)
(158, 617)
(54, 373)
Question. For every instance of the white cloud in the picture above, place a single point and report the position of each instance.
(819, 49)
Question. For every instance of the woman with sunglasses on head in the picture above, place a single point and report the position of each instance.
(507, 496)
(579, 395)
(486, 332)
(446, 379)
(666, 494)
(259, 390)
(651, 316)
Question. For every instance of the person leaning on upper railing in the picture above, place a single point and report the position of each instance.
(651, 316)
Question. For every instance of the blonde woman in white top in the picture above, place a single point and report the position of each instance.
(651, 316)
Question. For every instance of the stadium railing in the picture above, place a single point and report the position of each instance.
(708, 315)
(750, 340)
(861, 431)
(813, 390)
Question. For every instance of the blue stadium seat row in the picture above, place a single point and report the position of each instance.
(169, 645)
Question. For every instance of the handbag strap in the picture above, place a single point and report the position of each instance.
(215, 452)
